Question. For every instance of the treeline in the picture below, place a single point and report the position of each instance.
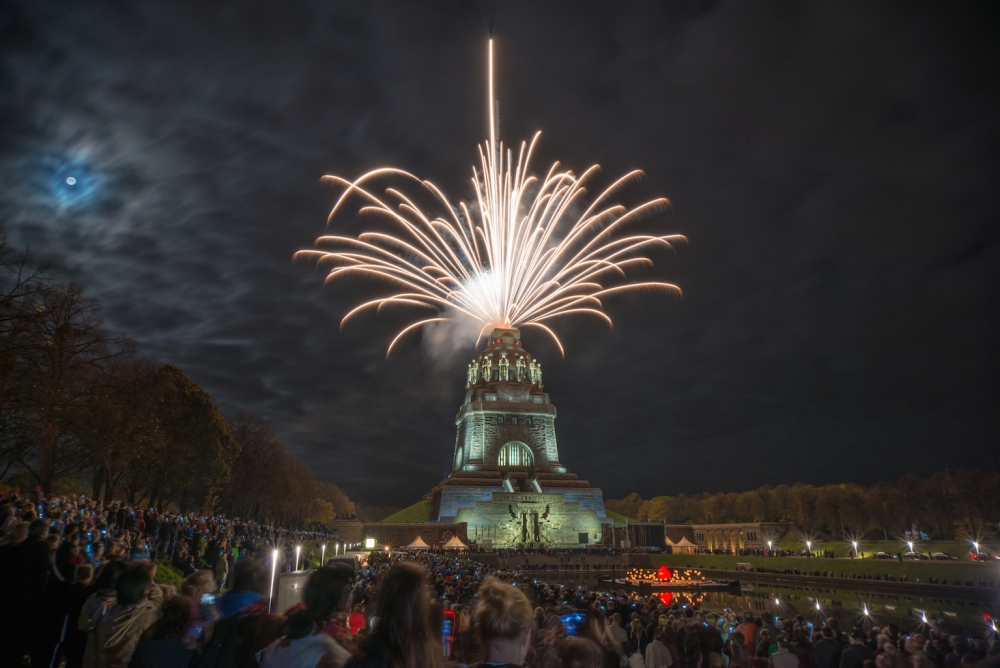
(81, 412)
(946, 506)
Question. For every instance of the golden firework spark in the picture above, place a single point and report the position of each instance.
(518, 256)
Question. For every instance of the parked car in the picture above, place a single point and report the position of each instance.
(983, 555)
(915, 556)
(941, 556)
(884, 555)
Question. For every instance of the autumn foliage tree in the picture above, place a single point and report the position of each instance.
(78, 406)
(267, 484)
(945, 505)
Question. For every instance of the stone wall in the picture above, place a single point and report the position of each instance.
(508, 520)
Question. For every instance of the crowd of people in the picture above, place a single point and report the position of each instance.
(61, 556)
(82, 588)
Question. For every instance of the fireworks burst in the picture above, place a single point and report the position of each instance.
(518, 256)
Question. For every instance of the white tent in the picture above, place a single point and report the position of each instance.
(418, 544)
(683, 546)
(455, 544)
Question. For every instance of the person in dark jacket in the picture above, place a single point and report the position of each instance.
(855, 654)
(28, 566)
(827, 650)
(153, 531)
(75, 640)
(167, 530)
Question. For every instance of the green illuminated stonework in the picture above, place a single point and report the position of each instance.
(507, 482)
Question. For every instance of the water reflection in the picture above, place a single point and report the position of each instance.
(911, 614)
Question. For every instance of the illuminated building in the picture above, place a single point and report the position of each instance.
(507, 483)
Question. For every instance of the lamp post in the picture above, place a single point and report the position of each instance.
(274, 569)
(322, 555)
(298, 553)
(855, 544)
(809, 548)
(769, 549)
(975, 544)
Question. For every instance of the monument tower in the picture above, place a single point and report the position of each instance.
(507, 483)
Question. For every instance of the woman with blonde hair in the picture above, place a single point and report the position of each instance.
(504, 621)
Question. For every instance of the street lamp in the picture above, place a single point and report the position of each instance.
(975, 544)
(322, 555)
(274, 568)
(298, 552)
(809, 547)
(855, 544)
(769, 546)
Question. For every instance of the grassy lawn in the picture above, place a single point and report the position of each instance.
(957, 548)
(168, 575)
(418, 512)
(963, 570)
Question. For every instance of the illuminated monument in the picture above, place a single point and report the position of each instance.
(526, 250)
(507, 483)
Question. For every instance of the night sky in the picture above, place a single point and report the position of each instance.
(835, 166)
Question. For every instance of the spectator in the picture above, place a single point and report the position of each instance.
(637, 639)
(783, 658)
(96, 607)
(855, 654)
(25, 577)
(403, 636)
(657, 654)
(765, 648)
(827, 650)
(303, 642)
(221, 569)
(249, 581)
(616, 636)
(137, 607)
(576, 652)
(504, 621)
(356, 621)
(737, 650)
(168, 643)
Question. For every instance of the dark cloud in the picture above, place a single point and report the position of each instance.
(834, 166)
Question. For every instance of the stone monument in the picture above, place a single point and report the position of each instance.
(507, 483)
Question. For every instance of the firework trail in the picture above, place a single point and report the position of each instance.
(518, 256)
